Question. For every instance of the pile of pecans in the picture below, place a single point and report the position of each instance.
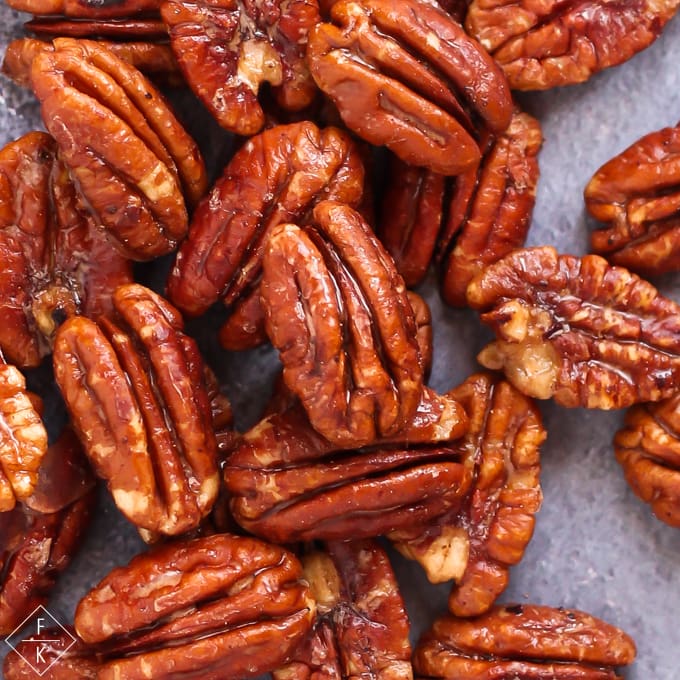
(263, 553)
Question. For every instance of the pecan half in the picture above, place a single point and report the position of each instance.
(405, 75)
(55, 261)
(126, 151)
(100, 9)
(577, 329)
(223, 607)
(637, 195)
(362, 628)
(134, 385)
(527, 642)
(275, 177)
(476, 542)
(139, 28)
(547, 43)
(228, 48)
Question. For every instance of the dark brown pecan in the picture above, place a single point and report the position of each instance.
(476, 542)
(637, 195)
(126, 151)
(362, 628)
(526, 642)
(99, 9)
(219, 607)
(55, 261)
(648, 449)
(559, 42)
(228, 48)
(578, 329)
(148, 28)
(405, 75)
(275, 177)
(134, 385)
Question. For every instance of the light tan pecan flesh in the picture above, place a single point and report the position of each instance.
(134, 164)
(578, 329)
(546, 43)
(405, 75)
(531, 642)
(134, 386)
(637, 196)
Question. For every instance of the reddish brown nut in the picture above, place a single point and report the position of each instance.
(362, 628)
(99, 9)
(546, 43)
(476, 542)
(128, 154)
(523, 642)
(134, 385)
(578, 329)
(142, 28)
(405, 75)
(223, 607)
(637, 195)
(275, 177)
(54, 259)
(228, 48)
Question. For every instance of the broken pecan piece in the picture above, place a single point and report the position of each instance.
(545, 44)
(578, 329)
(637, 195)
(134, 385)
(406, 75)
(526, 642)
(129, 156)
(362, 628)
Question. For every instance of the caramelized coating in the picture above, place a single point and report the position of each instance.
(99, 9)
(142, 28)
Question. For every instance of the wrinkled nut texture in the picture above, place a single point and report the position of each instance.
(406, 75)
(527, 642)
(228, 49)
(129, 156)
(578, 329)
(362, 628)
(544, 44)
(648, 449)
(288, 483)
(476, 542)
(637, 196)
(134, 385)
(223, 606)
(94, 9)
(275, 177)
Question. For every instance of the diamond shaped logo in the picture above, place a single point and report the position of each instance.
(46, 643)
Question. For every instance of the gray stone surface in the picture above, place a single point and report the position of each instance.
(596, 547)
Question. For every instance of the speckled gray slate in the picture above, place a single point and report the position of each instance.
(596, 546)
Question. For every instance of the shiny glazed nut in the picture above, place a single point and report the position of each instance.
(362, 628)
(546, 43)
(100, 9)
(523, 642)
(637, 195)
(277, 176)
(405, 75)
(134, 385)
(577, 329)
(223, 607)
(228, 49)
(139, 28)
(128, 154)
(476, 542)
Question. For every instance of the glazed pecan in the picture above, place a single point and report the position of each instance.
(129, 156)
(134, 385)
(577, 329)
(362, 628)
(228, 48)
(219, 607)
(637, 195)
(99, 9)
(648, 449)
(405, 75)
(526, 642)
(549, 43)
(55, 261)
(137, 28)
(476, 542)
(275, 177)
